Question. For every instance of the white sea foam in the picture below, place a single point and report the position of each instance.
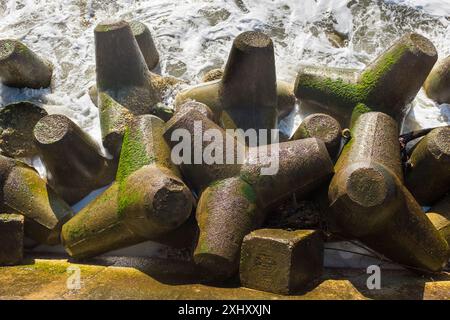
(194, 36)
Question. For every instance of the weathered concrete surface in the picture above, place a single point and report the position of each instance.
(140, 278)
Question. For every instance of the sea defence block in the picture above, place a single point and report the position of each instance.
(20, 67)
(114, 119)
(73, 159)
(194, 105)
(439, 215)
(368, 200)
(248, 89)
(235, 196)
(280, 261)
(428, 177)
(211, 75)
(25, 193)
(17, 122)
(387, 84)
(147, 201)
(226, 212)
(190, 127)
(298, 167)
(122, 72)
(145, 41)
(323, 127)
(437, 85)
(247, 92)
(11, 239)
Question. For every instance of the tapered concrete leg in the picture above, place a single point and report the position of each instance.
(22, 68)
(369, 201)
(24, 192)
(73, 159)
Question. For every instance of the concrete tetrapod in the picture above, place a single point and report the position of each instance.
(145, 41)
(147, 201)
(11, 239)
(248, 91)
(25, 193)
(17, 122)
(430, 162)
(368, 200)
(439, 215)
(22, 68)
(437, 85)
(323, 127)
(121, 69)
(281, 261)
(387, 84)
(85, 170)
(234, 197)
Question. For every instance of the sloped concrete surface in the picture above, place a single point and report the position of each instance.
(143, 278)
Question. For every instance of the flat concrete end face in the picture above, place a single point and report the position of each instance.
(362, 198)
(251, 40)
(440, 138)
(421, 44)
(137, 27)
(16, 128)
(110, 25)
(323, 127)
(11, 239)
(169, 200)
(281, 261)
(367, 187)
(51, 129)
(7, 48)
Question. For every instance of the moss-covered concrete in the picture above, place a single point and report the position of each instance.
(388, 84)
(139, 278)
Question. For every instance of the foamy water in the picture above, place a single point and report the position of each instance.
(194, 36)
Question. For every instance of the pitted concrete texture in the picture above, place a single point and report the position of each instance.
(143, 278)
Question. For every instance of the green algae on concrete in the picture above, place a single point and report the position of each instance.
(144, 145)
(388, 84)
(140, 279)
(114, 119)
(24, 192)
(437, 85)
(368, 200)
(234, 196)
(430, 162)
(11, 239)
(17, 121)
(22, 68)
(281, 261)
(147, 201)
(85, 169)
